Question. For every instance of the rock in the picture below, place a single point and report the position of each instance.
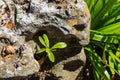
(18, 64)
(69, 62)
(61, 20)
(70, 16)
(71, 68)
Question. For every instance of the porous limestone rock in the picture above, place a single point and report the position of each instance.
(61, 20)
(16, 56)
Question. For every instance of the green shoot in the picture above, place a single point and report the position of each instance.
(49, 50)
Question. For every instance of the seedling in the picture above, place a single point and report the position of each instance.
(49, 50)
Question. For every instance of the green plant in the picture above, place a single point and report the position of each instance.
(49, 50)
(104, 49)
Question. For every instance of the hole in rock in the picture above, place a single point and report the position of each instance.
(67, 12)
(79, 27)
(50, 1)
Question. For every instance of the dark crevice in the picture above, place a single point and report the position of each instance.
(79, 27)
(64, 29)
(67, 13)
(59, 16)
(75, 2)
(19, 51)
(6, 41)
(46, 23)
(50, 1)
(59, 7)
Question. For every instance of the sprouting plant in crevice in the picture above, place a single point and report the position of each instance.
(49, 50)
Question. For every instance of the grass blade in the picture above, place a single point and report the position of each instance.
(111, 64)
(111, 29)
(113, 56)
(105, 38)
(96, 62)
(100, 13)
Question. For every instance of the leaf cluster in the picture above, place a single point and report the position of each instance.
(104, 49)
(49, 50)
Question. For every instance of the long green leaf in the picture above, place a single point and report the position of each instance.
(109, 19)
(107, 75)
(90, 3)
(111, 64)
(105, 38)
(40, 50)
(96, 75)
(42, 41)
(118, 67)
(94, 58)
(114, 56)
(111, 29)
(46, 40)
(100, 13)
(59, 45)
(50, 55)
(104, 55)
(106, 25)
(97, 7)
(118, 51)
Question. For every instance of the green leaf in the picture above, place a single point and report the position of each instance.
(40, 50)
(111, 29)
(105, 18)
(107, 38)
(98, 6)
(111, 64)
(96, 75)
(102, 11)
(114, 56)
(118, 67)
(59, 45)
(50, 55)
(46, 40)
(42, 41)
(97, 64)
(104, 58)
(107, 75)
(100, 69)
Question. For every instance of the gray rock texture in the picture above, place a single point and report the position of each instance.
(16, 57)
(22, 21)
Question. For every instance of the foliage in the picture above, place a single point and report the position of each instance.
(45, 42)
(104, 49)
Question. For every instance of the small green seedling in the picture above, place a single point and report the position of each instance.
(49, 50)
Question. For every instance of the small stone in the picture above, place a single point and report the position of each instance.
(9, 50)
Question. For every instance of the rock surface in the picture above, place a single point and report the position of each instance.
(16, 57)
(22, 21)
